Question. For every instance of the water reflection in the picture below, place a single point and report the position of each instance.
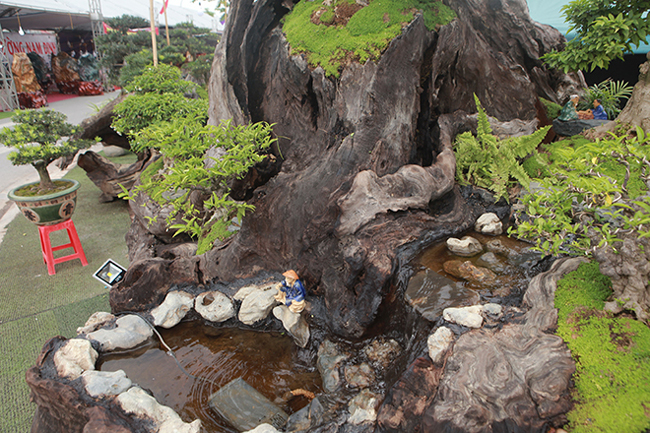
(265, 360)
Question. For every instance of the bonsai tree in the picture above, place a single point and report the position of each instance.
(39, 137)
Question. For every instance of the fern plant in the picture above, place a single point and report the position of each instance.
(494, 164)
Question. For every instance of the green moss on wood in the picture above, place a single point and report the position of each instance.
(612, 391)
(331, 38)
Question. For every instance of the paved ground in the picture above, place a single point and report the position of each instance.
(35, 306)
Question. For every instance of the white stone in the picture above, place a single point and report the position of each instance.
(363, 407)
(465, 247)
(244, 292)
(257, 305)
(439, 342)
(489, 224)
(493, 309)
(105, 383)
(95, 321)
(175, 306)
(219, 307)
(130, 332)
(264, 428)
(165, 420)
(464, 316)
(74, 357)
(294, 323)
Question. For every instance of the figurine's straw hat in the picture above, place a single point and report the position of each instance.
(291, 274)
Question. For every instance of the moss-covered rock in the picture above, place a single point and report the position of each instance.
(335, 34)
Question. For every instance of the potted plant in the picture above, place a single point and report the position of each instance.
(40, 137)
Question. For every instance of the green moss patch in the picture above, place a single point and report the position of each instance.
(335, 35)
(612, 391)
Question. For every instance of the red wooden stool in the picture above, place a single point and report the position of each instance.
(48, 249)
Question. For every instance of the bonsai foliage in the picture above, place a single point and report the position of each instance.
(605, 31)
(38, 137)
(494, 164)
(158, 95)
(198, 189)
(595, 190)
(611, 353)
(332, 34)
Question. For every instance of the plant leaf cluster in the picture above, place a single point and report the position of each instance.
(612, 356)
(594, 190)
(494, 164)
(37, 137)
(158, 95)
(365, 36)
(609, 93)
(184, 142)
(605, 31)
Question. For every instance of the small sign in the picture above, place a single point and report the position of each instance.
(110, 273)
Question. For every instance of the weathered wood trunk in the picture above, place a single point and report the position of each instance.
(365, 168)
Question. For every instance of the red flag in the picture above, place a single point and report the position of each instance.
(164, 8)
(107, 28)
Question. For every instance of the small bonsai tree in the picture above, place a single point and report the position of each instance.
(40, 137)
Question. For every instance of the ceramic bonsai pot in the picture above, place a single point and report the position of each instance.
(47, 209)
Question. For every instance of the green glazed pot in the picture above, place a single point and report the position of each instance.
(47, 209)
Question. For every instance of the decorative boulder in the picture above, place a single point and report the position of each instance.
(294, 323)
(130, 332)
(465, 247)
(95, 321)
(489, 224)
(464, 316)
(257, 305)
(165, 420)
(105, 383)
(439, 342)
(173, 309)
(74, 357)
(214, 306)
(469, 272)
(329, 359)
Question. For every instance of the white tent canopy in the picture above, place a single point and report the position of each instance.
(67, 14)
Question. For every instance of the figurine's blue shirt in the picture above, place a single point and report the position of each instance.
(294, 293)
(599, 113)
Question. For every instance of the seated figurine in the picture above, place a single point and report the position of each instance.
(598, 111)
(291, 292)
(569, 110)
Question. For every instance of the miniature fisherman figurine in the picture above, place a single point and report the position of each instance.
(291, 292)
(598, 111)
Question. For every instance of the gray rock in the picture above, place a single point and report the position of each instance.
(257, 305)
(490, 261)
(74, 357)
(308, 416)
(214, 306)
(165, 420)
(496, 246)
(430, 293)
(492, 309)
(464, 316)
(294, 323)
(95, 321)
(130, 331)
(359, 376)
(465, 247)
(439, 342)
(363, 407)
(574, 127)
(175, 306)
(329, 359)
(382, 352)
(112, 151)
(105, 383)
(489, 224)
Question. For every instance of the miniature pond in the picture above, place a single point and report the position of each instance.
(267, 361)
